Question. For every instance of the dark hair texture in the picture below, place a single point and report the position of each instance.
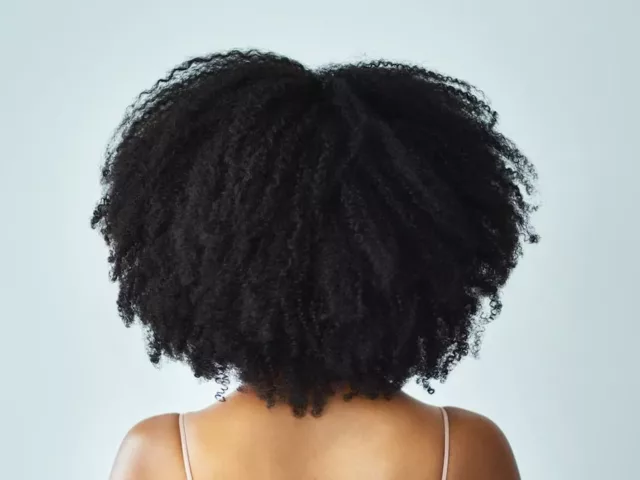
(303, 228)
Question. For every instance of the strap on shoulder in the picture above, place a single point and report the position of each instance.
(445, 463)
(185, 447)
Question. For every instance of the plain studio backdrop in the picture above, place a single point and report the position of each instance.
(558, 368)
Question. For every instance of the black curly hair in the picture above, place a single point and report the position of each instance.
(304, 228)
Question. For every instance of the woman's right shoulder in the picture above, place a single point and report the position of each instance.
(479, 448)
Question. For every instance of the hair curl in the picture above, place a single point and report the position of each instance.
(352, 224)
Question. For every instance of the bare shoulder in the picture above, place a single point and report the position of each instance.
(151, 449)
(479, 448)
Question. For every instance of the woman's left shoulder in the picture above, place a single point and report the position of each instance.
(151, 449)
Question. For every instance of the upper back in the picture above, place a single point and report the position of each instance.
(399, 439)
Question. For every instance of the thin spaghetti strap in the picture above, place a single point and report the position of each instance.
(185, 447)
(445, 463)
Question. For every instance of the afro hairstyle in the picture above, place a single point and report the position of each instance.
(303, 228)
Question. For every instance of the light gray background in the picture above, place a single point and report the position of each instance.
(557, 372)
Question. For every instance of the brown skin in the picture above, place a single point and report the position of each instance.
(372, 439)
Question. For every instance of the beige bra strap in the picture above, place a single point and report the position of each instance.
(445, 463)
(185, 448)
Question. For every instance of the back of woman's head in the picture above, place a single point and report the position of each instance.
(306, 228)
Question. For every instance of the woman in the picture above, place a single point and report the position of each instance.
(325, 235)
